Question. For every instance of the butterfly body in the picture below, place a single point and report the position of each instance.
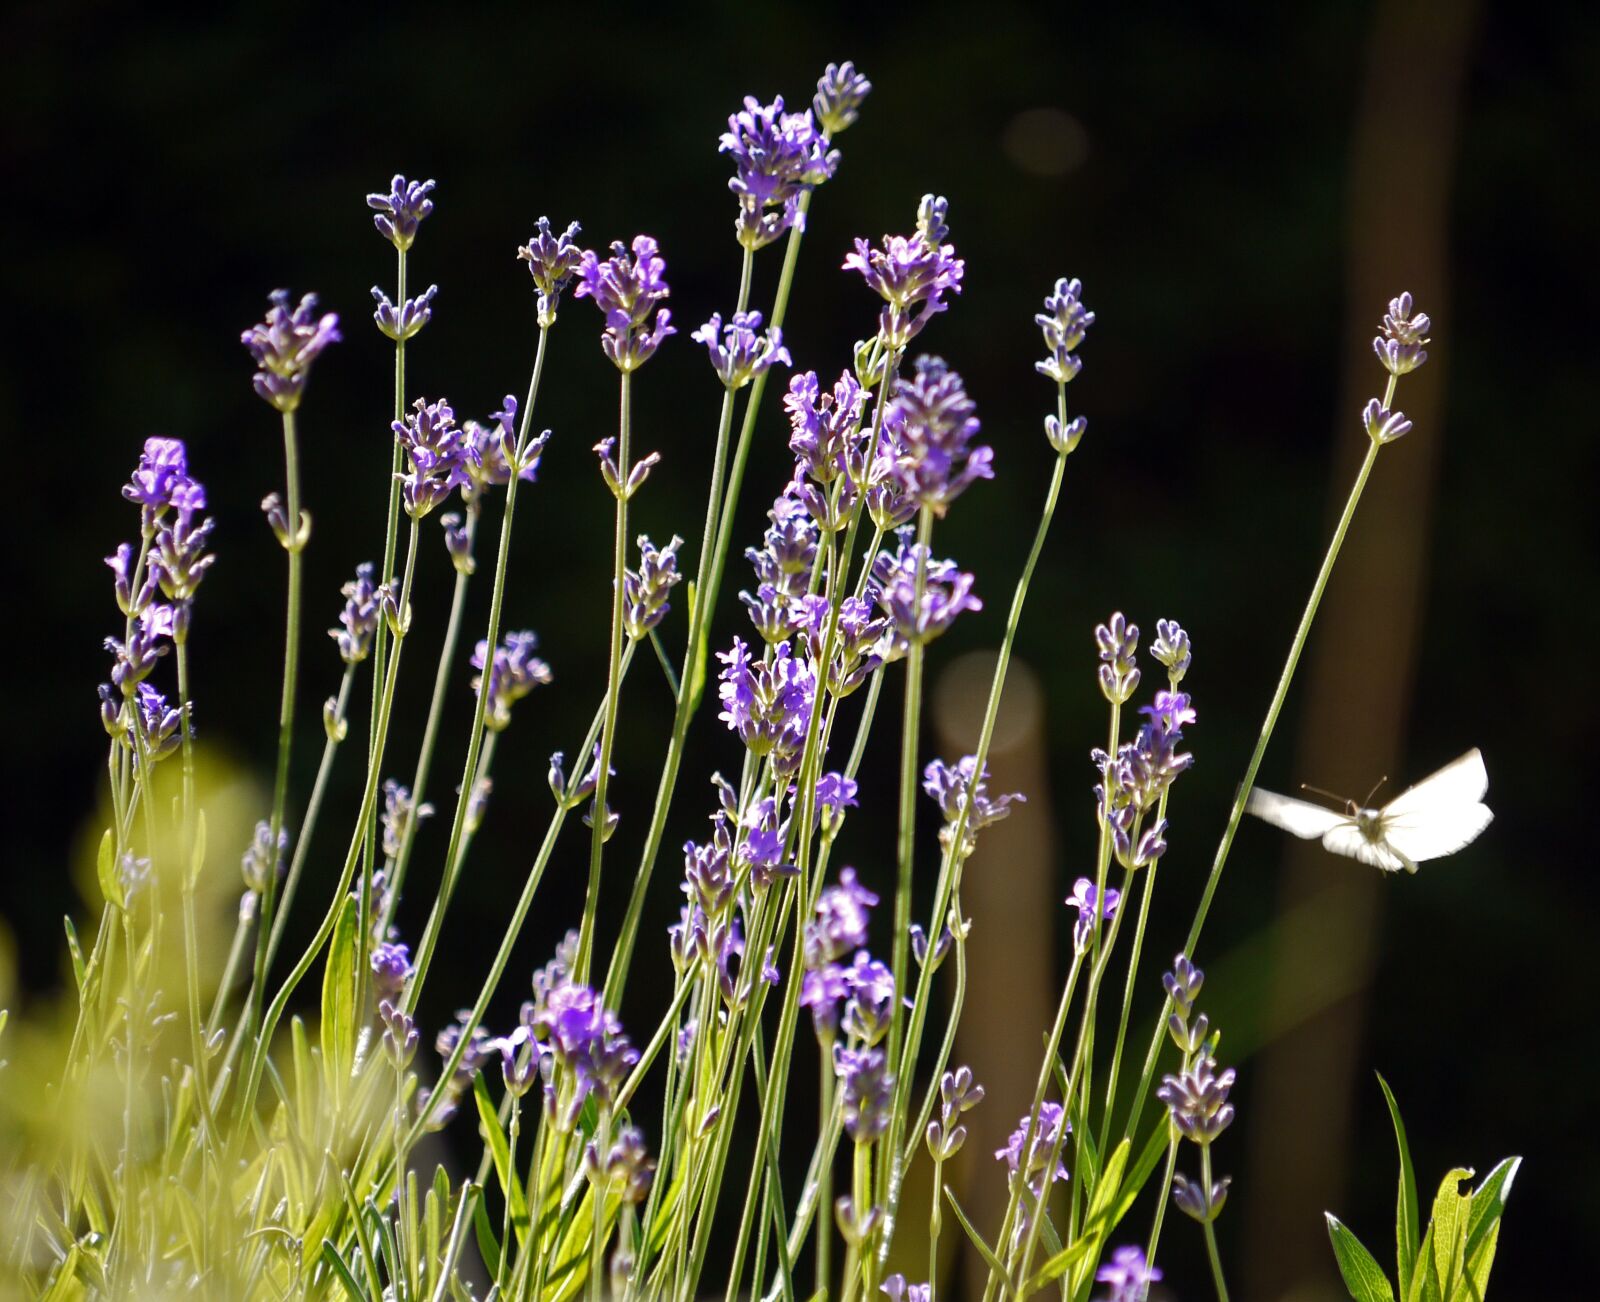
(1438, 816)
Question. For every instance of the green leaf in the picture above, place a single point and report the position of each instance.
(387, 1245)
(984, 1250)
(1057, 1266)
(1476, 1283)
(1098, 1219)
(1362, 1275)
(106, 869)
(341, 1268)
(488, 1242)
(1407, 1229)
(1149, 1158)
(339, 1004)
(1489, 1201)
(501, 1150)
(79, 969)
(1449, 1223)
(197, 855)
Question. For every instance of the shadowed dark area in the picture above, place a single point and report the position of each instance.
(163, 174)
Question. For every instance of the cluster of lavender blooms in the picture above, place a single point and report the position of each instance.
(893, 443)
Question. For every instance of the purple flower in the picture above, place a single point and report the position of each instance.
(1400, 346)
(163, 471)
(824, 426)
(401, 323)
(583, 787)
(398, 213)
(868, 1088)
(285, 344)
(391, 969)
(1118, 642)
(1171, 648)
(179, 559)
(627, 1168)
(824, 990)
(1083, 899)
(927, 432)
(645, 590)
(1129, 1275)
(896, 1289)
(399, 1034)
(124, 567)
(1197, 1100)
(840, 91)
(739, 351)
(587, 1041)
(952, 787)
(627, 290)
(1134, 781)
(946, 592)
(1383, 425)
(958, 1094)
(783, 566)
(1032, 1167)
(437, 456)
(359, 619)
(401, 815)
(840, 924)
(835, 794)
(765, 835)
(777, 157)
(514, 672)
(1064, 322)
(911, 273)
(768, 702)
(870, 1008)
(1194, 1200)
(261, 863)
(491, 451)
(708, 872)
(552, 259)
(135, 659)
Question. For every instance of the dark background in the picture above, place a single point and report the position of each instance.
(1240, 193)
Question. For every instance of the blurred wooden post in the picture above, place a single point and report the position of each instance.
(1362, 662)
(1011, 893)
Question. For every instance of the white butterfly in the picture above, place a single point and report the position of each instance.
(1438, 816)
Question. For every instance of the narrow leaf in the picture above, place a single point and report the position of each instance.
(79, 969)
(1407, 1217)
(106, 870)
(347, 1277)
(1057, 1266)
(984, 1250)
(488, 1242)
(197, 856)
(339, 1004)
(501, 1151)
(1362, 1275)
(1488, 1201)
(1449, 1223)
(1479, 1264)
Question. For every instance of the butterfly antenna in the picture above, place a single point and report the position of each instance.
(1377, 787)
(1331, 795)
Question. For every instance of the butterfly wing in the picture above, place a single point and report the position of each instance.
(1442, 813)
(1298, 817)
(1348, 840)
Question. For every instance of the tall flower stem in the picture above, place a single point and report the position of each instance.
(707, 587)
(430, 732)
(1236, 813)
(447, 881)
(188, 871)
(608, 730)
(1211, 1231)
(294, 545)
(920, 1001)
(369, 797)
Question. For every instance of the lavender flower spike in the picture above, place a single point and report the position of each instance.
(627, 290)
(398, 213)
(896, 1289)
(285, 344)
(1400, 346)
(401, 323)
(552, 259)
(1129, 1275)
(1197, 1100)
(868, 1088)
(359, 618)
(840, 91)
(514, 671)
(645, 590)
(910, 273)
(1383, 425)
(739, 352)
(1064, 322)
(930, 424)
(777, 157)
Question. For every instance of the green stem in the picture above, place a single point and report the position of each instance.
(1236, 813)
(919, 1007)
(1163, 1197)
(608, 731)
(291, 662)
(430, 733)
(1211, 1233)
(705, 604)
(447, 881)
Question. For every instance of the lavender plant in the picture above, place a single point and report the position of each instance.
(232, 1150)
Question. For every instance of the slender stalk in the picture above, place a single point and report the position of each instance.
(447, 882)
(920, 1001)
(187, 872)
(707, 589)
(1236, 813)
(294, 545)
(430, 733)
(608, 730)
(1163, 1196)
(1211, 1232)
